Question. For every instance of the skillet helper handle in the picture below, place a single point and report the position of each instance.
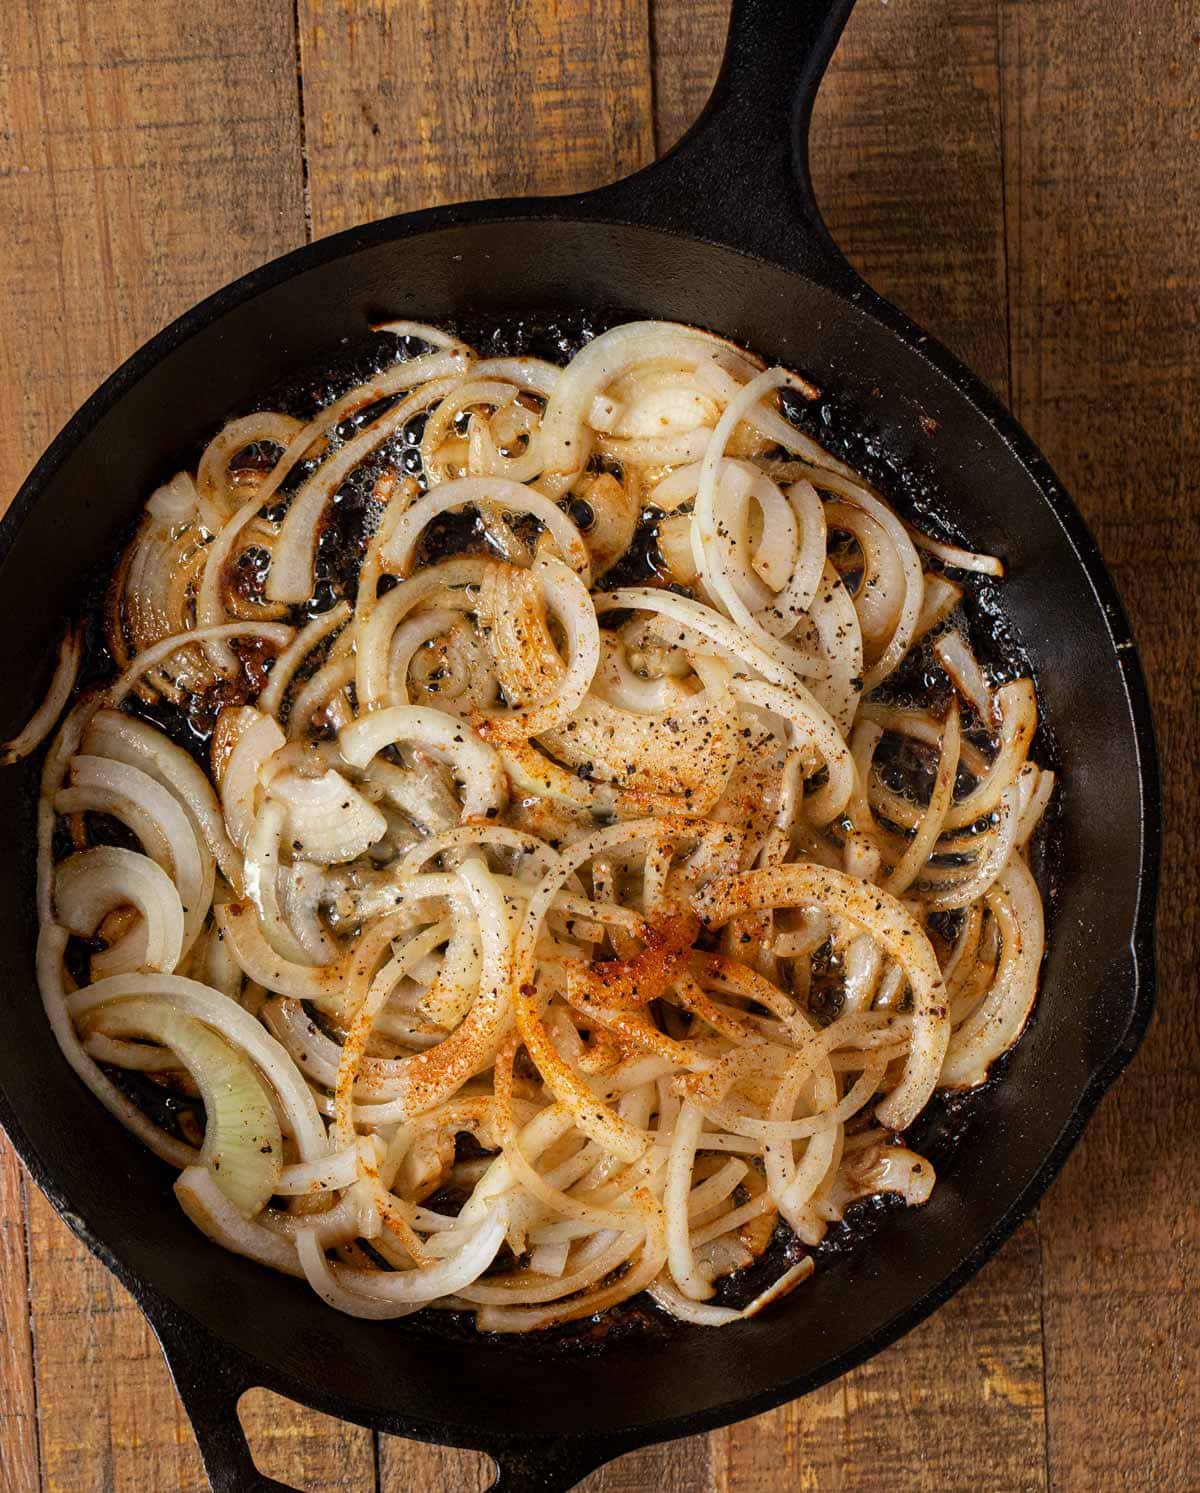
(740, 175)
(210, 1385)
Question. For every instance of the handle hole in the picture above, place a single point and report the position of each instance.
(317, 1453)
(304, 1448)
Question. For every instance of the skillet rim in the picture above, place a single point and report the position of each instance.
(609, 207)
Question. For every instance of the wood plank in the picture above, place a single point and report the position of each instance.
(109, 1418)
(415, 104)
(1102, 124)
(906, 163)
(409, 105)
(413, 1464)
(688, 41)
(678, 1467)
(313, 1452)
(957, 1405)
(19, 1458)
(148, 154)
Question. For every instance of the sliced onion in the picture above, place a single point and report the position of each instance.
(958, 559)
(291, 575)
(214, 1215)
(954, 654)
(242, 1147)
(993, 1028)
(256, 739)
(124, 739)
(93, 883)
(376, 1293)
(328, 819)
(275, 633)
(888, 922)
(445, 738)
(566, 596)
(41, 722)
(564, 445)
(237, 1027)
(497, 492)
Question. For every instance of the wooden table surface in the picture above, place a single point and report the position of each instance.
(1023, 176)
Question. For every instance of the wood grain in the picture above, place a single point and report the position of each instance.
(422, 102)
(19, 1451)
(958, 1404)
(1102, 170)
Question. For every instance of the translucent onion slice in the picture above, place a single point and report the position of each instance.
(700, 1314)
(954, 654)
(566, 597)
(159, 820)
(992, 1029)
(236, 1026)
(563, 442)
(328, 819)
(689, 753)
(874, 507)
(291, 574)
(239, 927)
(382, 1294)
(93, 883)
(175, 501)
(256, 739)
(619, 684)
(303, 887)
(122, 738)
(52, 944)
(997, 851)
(289, 661)
(910, 864)
(680, 1258)
(644, 1270)
(62, 682)
(524, 1288)
(499, 493)
(429, 1078)
(275, 633)
(812, 725)
(958, 559)
(214, 1215)
(880, 590)
(796, 595)
(540, 377)
(941, 597)
(262, 880)
(243, 1147)
(454, 581)
(451, 741)
(834, 621)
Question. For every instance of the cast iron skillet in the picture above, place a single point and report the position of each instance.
(724, 233)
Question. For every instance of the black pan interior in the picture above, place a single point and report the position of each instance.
(931, 440)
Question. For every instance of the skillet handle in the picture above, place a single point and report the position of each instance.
(210, 1384)
(211, 1380)
(740, 176)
